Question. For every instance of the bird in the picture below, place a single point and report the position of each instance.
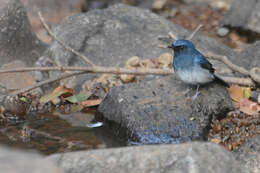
(191, 66)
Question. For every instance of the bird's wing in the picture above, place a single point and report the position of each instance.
(204, 63)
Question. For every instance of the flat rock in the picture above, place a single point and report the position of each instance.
(160, 111)
(244, 15)
(16, 161)
(17, 41)
(249, 154)
(181, 158)
(111, 36)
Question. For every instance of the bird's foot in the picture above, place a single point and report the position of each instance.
(195, 96)
(197, 93)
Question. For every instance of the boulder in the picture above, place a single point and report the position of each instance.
(17, 41)
(181, 158)
(249, 154)
(18, 161)
(249, 57)
(161, 111)
(244, 15)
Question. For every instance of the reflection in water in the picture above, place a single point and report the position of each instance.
(51, 134)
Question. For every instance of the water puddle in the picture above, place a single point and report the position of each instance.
(51, 133)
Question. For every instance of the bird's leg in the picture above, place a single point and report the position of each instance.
(197, 93)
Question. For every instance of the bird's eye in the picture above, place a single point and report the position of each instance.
(181, 47)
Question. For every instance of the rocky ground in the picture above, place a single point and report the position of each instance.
(153, 110)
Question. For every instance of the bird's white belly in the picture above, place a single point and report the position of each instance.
(199, 76)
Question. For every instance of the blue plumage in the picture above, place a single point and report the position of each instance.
(191, 66)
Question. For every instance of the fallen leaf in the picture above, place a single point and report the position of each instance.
(249, 107)
(237, 93)
(57, 92)
(23, 99)
(79, 98)
(216, 141)
(89, 103)
(76, 108)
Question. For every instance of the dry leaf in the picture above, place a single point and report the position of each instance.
(249, 107)
(216, 141)
(89, 103)
(57, 92)
(237, 93)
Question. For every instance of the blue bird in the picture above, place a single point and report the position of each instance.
(191, 66)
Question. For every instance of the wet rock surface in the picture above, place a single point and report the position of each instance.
(244, 15)
(17, 41)
(159, 111)
(16, 161)
(248, 154)
(192, 157)
(109, 37)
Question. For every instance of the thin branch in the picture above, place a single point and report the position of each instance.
(61, 43)
(239, 81)
(253, 74)
(194, 32)
(96, 69)
(226, 61)
(111, 70)
(172, 36)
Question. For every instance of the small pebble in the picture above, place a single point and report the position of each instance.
(159, 4)
(165, 59)
(127, 78)
(255, 96)
(222, 32)
(133, 62)
(173, 12)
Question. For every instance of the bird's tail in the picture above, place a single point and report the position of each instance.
(221, 81)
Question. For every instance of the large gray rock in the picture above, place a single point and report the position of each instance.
(53, 12)
(192, 157)
(109, 37)
(249, 154)
(158, 111)
(16, 161)
(244, 14)
(249, 58)
(17, 41)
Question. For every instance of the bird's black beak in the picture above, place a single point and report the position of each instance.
(170, 47)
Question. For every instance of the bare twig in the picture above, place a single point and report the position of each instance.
(172, 36)
(61, 43)
(194, 32)
(239, 81)
(253, 74)
(226, 61)
(96, 69)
